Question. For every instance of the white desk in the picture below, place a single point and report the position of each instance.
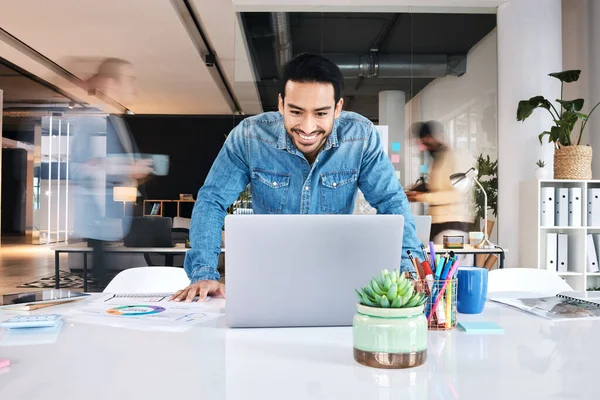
(534, 359)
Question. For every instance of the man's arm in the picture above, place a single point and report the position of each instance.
(379, 184)
(227, 178)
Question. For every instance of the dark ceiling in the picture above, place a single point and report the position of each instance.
(358, 34)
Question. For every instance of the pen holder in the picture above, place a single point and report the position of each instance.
(444, 312)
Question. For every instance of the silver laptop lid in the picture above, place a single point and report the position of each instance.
(301, 270)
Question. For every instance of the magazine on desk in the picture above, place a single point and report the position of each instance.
(565, 306)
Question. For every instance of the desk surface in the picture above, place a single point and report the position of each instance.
(110, 248)
(533, 359)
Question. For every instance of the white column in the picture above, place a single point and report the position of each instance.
(391, 113)
(529, 48)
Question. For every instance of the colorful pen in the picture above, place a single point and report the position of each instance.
(442, 291)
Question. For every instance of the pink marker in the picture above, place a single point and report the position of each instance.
(4, 363)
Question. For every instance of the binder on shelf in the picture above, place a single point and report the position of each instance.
(596, 238)
(562, 253)
(592, 258)
(593, 208)
(562, 207)
(575, 207)
(547, 206)
(551, 251)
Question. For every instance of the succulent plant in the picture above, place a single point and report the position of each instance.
(540, 163)
(390, 290)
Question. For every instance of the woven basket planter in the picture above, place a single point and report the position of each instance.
(573, 162)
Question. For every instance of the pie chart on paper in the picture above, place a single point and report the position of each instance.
(135, 310)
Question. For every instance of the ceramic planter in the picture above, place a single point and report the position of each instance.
(542, 173)
(390, 337)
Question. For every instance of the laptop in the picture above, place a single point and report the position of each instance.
(423, 227)
(301, 270)
(149, 232)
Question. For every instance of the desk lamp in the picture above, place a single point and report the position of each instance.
(125, 194)
(463, 181)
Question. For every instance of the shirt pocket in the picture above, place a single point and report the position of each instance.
(270, 189)
(337, 191)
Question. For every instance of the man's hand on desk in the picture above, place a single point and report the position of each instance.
(200, 288)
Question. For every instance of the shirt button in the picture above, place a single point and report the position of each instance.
(274, 183)
(306, 187)
(334, 184)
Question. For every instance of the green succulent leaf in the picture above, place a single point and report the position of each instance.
(387, 283)
(359, 295)
(376, 288)
(366, 301)
(391, 293)
(385, 303)
(369, 291)
(397, 303)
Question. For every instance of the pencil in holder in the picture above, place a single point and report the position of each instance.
(440, 307)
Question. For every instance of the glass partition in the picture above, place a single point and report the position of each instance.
(399, 69)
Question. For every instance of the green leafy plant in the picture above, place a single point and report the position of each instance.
(390, 290)
(540, 163)
(565, 119)
(487, 175)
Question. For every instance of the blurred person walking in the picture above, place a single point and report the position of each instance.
(447, 206)
(104, 156)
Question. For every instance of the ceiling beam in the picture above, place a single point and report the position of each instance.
(396, 6)
(189, 18)
(57, 70)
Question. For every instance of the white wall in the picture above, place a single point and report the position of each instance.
(581, 50)
(466, 106)
(529, 48)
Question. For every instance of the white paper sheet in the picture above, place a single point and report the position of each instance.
(147, 312)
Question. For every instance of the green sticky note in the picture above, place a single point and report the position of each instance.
(398, 174)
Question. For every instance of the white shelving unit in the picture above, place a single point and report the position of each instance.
(532, 235)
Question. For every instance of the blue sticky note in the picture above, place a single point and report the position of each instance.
(423, 169)
(398, 174)
(480, 327)
(395, 146)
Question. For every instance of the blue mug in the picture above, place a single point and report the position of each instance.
(472, 289)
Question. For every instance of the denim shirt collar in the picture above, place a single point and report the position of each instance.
(284, 141)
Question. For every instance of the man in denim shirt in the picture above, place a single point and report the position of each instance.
(309, 158)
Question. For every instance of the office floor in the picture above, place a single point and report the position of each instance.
(21, 262)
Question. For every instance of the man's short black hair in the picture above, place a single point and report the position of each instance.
(424, 129)
(313, 68)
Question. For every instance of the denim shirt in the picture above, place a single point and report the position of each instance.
(260, 152)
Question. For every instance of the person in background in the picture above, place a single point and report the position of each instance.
(309, 158)
(447, 207)
(101, 162)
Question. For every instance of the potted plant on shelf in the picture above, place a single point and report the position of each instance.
(541, 172)
(571, 159)
(389, 328)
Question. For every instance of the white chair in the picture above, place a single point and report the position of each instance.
(531, 280)
(148, 280)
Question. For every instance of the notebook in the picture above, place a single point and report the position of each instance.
(480, 327)
(562, 306)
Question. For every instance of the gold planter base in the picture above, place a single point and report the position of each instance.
(390, 360)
